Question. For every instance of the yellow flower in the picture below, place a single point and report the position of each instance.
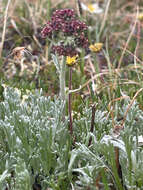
(96, 47)
(140, 17)
(70, 61)
(92, 8)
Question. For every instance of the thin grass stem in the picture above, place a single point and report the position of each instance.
(4, 27)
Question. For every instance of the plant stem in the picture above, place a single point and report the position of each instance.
(62, 79)
(92, 123)
(69, 101)
(118, 166)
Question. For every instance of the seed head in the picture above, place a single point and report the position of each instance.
(21, 52)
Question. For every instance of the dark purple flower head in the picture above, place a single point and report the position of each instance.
(82, 41)
(64, 14)
(67, 50)
(65, 24)
(47, 31)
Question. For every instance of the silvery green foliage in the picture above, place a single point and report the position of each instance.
(82, 125)
(33, 134)
(35, 141)
(134, 117)
(22, 176)
(99, 159)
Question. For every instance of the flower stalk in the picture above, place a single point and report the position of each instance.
(62, 79)
(92, 122)
(68, 34)
(70, 101)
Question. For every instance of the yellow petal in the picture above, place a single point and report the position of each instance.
(71, 60)
(140, 16)
(91, 7)
(96, 47)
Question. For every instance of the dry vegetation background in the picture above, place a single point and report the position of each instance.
(22, 21)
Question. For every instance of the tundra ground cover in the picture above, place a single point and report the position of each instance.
(92, 138)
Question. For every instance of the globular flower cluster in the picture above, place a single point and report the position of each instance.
(64, 24)
(66, 50)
